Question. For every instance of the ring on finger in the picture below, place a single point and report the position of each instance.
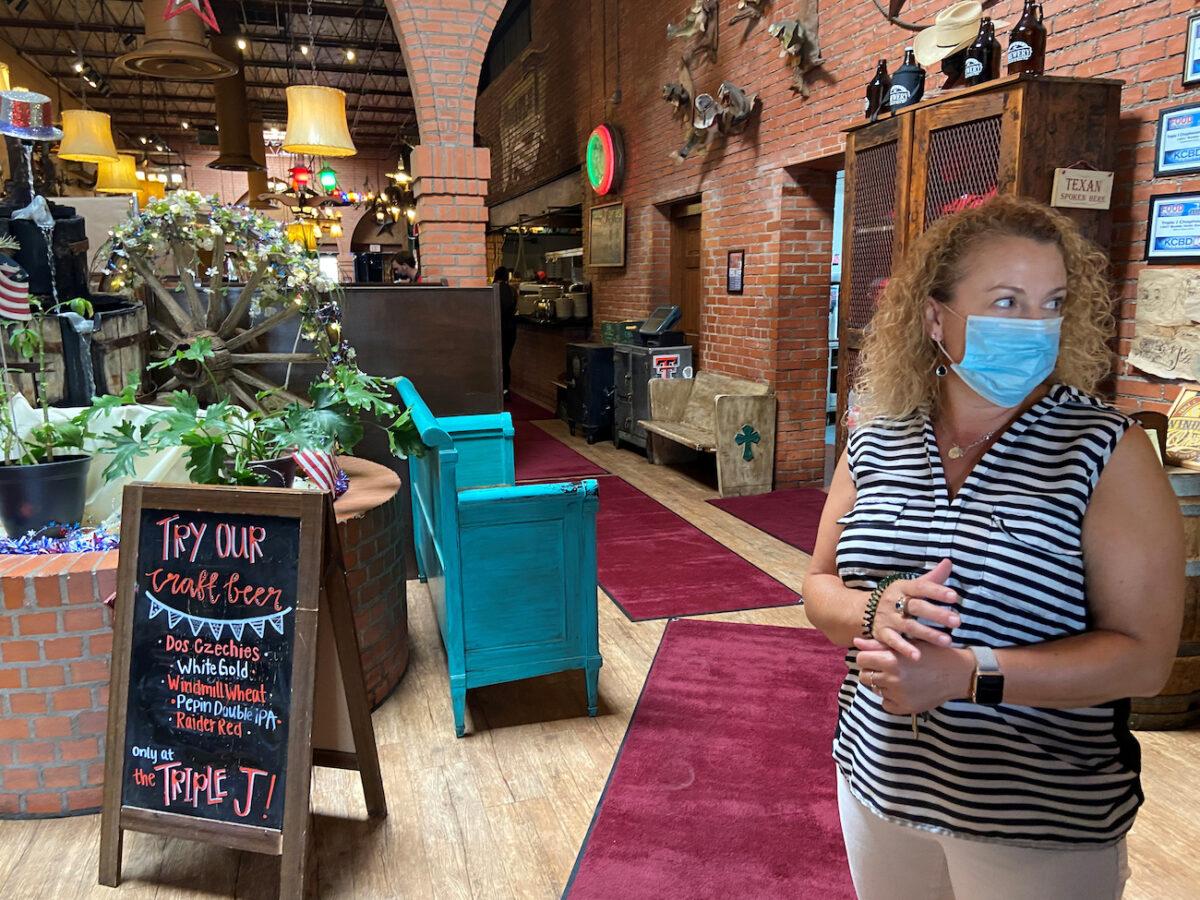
(902, 607)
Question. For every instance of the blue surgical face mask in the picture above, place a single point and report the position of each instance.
(1007, 358)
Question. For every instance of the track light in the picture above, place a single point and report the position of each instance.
(128, 40)
(304, 49)
(77, 65)
(143, 139)
(241, 43)
(350, 56)
(184, 125)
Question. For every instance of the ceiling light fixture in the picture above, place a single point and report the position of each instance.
(350, 56)
(241, 43)
(184, 125)
(304, 49)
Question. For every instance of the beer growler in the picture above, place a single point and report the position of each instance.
(983, 56)
(878, 92)
(909, 84)
(1027, 43)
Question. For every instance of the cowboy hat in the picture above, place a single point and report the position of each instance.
(952, 30)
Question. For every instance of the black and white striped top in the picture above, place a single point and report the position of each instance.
(1014, 774)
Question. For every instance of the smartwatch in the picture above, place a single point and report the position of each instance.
(987, 687)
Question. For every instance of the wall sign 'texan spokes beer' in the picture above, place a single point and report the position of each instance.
(211, 706)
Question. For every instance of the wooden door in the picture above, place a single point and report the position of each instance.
(686, 285)
(873, 237)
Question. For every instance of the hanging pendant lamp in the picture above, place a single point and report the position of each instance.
(233, 137)
(316, 123)
(87, 137)
(118, 177)
(174, 49)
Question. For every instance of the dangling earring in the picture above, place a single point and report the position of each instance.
(941, 370)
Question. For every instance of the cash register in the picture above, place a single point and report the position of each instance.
(657, 330)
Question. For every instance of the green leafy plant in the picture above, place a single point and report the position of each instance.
(43, 441)
(224, 440)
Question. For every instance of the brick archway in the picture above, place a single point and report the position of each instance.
(444, 42)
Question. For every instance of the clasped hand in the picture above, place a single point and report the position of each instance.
(909, 664)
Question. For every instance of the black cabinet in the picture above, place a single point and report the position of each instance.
(589, 391)
(633, 368)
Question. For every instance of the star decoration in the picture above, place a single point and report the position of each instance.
(202, 8)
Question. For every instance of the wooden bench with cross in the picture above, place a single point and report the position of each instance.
(730, 417)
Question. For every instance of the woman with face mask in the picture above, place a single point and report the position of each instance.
(1002, 555)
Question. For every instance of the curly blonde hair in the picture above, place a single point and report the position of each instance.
(896, 370)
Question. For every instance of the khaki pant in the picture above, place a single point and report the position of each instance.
(889, 861)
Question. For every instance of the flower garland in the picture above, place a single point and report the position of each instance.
(60, 539)
(249, 245)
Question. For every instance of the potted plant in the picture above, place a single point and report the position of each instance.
(226, 444)
(43, 471)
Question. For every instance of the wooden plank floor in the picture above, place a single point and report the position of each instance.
(502, 812)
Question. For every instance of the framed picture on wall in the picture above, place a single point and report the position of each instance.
(1173, 232)
(735, 266)
(606, 235)
(1191, 55)
(1177, 140)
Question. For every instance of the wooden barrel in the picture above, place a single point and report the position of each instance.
(118, 348)
(1178, 704)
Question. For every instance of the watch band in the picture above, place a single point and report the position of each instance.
(987, 686)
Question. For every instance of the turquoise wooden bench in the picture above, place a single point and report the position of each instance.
(511, 569)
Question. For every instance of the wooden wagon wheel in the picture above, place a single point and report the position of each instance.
(179, 321)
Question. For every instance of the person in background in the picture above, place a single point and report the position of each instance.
(508, 321)
(404, 268)
(1003, 558)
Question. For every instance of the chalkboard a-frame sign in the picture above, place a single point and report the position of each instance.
(223, 597)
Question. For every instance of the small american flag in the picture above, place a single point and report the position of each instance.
(14, 290)
(321, 468)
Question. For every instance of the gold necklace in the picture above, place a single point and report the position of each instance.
(957, 452)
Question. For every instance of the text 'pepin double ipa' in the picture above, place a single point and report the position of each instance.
(210, 666)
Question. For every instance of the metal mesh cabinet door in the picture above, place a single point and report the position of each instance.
(963, 153)
(873, 235)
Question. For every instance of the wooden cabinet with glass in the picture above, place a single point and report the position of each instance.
(928, 160)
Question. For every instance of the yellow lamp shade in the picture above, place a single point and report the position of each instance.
(304, 233)
(5, 84)
(316, 123)
(87, 137)
(150, 190)
(118, 177)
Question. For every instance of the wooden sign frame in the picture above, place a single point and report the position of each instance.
(321, 588)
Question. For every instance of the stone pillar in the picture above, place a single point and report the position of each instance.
(449, 184)
(444, 42)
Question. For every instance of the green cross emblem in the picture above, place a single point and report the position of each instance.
(746, 439)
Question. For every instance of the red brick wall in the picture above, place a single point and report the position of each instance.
(55, 646)
(373, 550)
(747, 186)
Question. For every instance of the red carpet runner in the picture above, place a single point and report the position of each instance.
(791, 515)
(539, 456)
(655, 564)
(724, 785)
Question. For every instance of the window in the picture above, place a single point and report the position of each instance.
(512, 35)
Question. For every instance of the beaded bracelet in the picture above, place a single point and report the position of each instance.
(873, 601)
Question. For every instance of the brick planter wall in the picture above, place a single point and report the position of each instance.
(372, 546)
(55, 645)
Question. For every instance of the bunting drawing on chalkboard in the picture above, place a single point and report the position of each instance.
(216, 627)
